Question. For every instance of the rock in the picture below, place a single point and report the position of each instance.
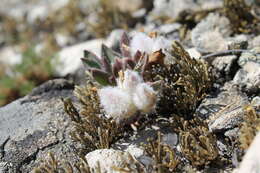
(225, 66)
(225, 110)
(3, 166)
(169, 28)
(252, 56)
(69, 58)
(32, 9)
(248, 77)
(209, 35)
(194, 53)
(251, 160)
(108, 159)
(171, 8)
(210, 4)
(170, 139)
(255, 42)
(34, 125)
(170, 31)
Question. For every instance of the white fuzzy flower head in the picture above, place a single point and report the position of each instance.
(116, 103)
(130, 96)
(144, 98)
(130, 80)
(144, 43)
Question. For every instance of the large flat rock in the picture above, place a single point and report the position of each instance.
(33, 125)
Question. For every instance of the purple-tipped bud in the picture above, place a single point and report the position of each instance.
(117, 66)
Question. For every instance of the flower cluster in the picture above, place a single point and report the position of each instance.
(148, 44)
(130, 96)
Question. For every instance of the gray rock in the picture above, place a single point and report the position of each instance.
(193, 53)
(252, 56)
(255, 42)
(170, 139)
(249, 77)
(169, 28)
(32, 126)
(33, 9)
(171, 8)
(224, 111)
(69, 58)
(108, 159)
(3, 167)
(224, 65)
(210, 4)
(233, 133)
(209, 35)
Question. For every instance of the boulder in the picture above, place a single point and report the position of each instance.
(34, 125)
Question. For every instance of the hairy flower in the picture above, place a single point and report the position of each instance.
(116, 102)
(129, 81)
(128, 97)
(144, 98)
(145, 44)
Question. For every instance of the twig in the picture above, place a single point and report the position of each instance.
(226, 53)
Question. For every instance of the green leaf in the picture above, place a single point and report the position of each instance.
(100, 76)
(91, 63)
(108, 53)
(92, 59)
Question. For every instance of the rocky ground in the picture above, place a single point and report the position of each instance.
(37, 124)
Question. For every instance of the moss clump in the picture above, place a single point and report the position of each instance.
(198, 144)
(185, 82)
(163, 155)
(240, 16)
(249, 128)
(52, 165)
(92, 130)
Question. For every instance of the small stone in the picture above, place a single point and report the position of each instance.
(224, 111)
(255, 42)
(3, 167)
(224, 65)
(209, 35)
(194, 53)
(249, 77)
(171, 8)
(169, 28)
(170, 139)
(107, 160)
